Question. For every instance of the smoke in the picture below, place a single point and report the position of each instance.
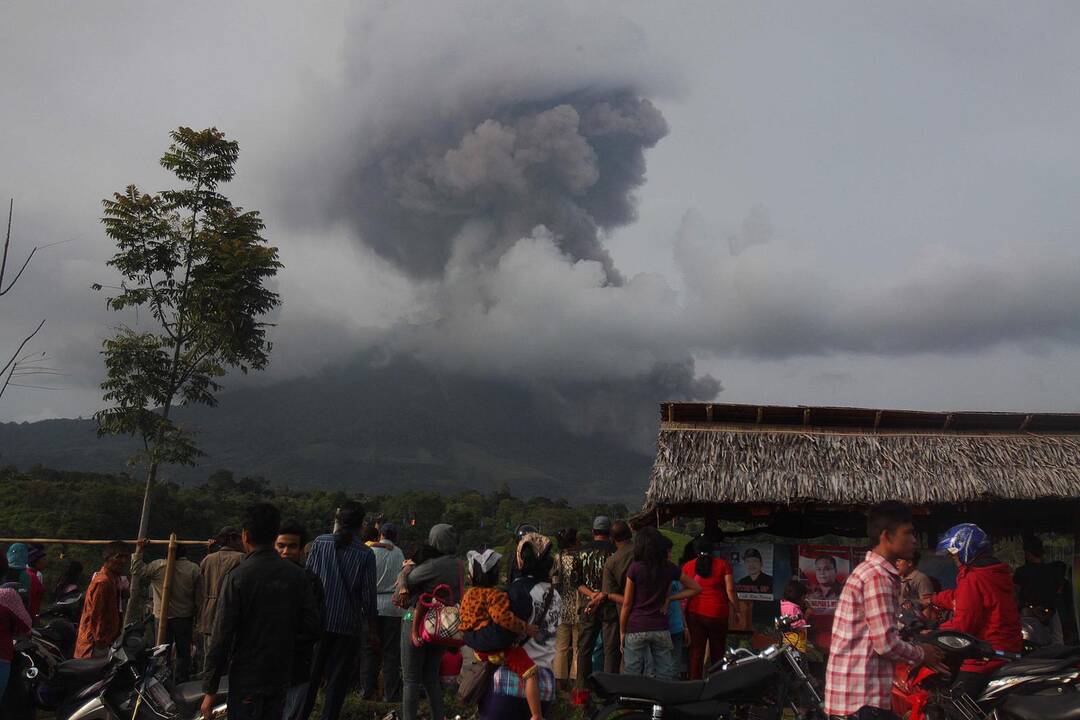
(493, 183)
(569, 164)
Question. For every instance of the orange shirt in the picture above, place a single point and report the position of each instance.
(482, 606)
(101, 622)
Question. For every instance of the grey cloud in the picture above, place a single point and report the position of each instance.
(775, 301)
(570, 164)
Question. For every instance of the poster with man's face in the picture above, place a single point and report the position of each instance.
(752, 569)
(823, 569)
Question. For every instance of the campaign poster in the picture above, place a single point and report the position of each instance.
(823, 570)
(752, 568)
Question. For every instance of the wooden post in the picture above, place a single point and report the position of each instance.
(166, 586)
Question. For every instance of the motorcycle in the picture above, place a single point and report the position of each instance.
(1024, 688)
(1035, 626)
(131, 683)
(762, 686)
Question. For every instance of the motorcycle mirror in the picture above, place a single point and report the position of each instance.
(954, 642)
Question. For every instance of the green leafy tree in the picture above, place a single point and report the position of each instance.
(198, 266)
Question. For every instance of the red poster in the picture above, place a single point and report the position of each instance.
(823, 570)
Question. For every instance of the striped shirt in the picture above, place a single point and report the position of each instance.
(348, 577)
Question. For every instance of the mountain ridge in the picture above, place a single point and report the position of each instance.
(368, 427)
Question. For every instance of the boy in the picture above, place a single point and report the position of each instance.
(866, 642)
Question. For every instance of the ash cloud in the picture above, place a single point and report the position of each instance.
(493, 185)
(570, 164)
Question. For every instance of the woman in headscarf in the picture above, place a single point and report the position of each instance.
(433, 565)
(19, 569)
(534, 600)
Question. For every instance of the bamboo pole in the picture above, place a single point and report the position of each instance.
(70, 541)
(166, 587)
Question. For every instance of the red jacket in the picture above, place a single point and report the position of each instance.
(983, 605)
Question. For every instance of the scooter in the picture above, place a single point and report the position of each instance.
(1022, 689)
(131, 683)
(764, 685)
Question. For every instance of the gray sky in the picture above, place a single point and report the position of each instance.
(854, 203)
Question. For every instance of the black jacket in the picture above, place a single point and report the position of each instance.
(305, 654)
(266, 617)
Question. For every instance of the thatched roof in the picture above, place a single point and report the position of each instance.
(727, 454)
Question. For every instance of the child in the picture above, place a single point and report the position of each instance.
(492, 630)
(450, 668)
(792, 604)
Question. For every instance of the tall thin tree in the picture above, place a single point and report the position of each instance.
(18, 365)
(199, 267)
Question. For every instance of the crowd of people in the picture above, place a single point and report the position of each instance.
(285, 616)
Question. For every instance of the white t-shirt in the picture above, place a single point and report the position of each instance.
(544, 654)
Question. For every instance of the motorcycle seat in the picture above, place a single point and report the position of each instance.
(1058, 652)
(188, 696)
(70, 672)
(665, 692)
(744, 677)
(1043, 707)
(1034, 666)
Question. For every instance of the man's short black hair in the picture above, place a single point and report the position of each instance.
(370, 533)
(350, 515)
(114, 549)
(827, 558)
(181, 551)
(294, 528)
(886, 517)
(1033, 545)
(620, 531)
(262, 522)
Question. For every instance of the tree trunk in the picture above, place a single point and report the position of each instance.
(144, 528)
(144, 517)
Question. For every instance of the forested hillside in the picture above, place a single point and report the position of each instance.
(369, 428)
(65, 504)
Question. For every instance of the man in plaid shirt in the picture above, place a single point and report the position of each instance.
(866, 641)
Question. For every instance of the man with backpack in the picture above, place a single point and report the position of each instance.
(346, 567)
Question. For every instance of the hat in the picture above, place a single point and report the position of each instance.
(34, 555)
(16, 556)
(601, 523)
(486, 560)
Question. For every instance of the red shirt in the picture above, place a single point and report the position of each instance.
(712, 601)
(983, 606)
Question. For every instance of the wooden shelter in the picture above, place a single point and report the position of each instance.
(807, 471)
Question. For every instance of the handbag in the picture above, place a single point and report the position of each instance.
(474, 680)
(437, 621)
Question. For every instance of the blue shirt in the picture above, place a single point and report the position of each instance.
(674, 611)
(348, 578)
